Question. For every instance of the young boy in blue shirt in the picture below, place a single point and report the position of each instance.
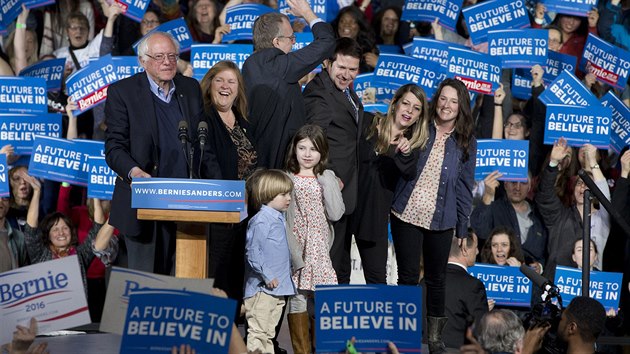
(268, 262)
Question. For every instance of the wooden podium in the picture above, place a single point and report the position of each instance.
(191, 252)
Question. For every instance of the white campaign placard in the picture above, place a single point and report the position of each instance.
(52, 292)
(123, 282)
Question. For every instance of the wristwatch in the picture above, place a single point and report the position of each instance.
(595, 166)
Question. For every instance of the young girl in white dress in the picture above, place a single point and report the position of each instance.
(316, 201)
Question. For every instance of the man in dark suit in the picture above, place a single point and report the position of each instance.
(271, 75)
(466, 299)
(332, 104)
(143, 114)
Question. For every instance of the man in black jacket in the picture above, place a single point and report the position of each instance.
(271, 74)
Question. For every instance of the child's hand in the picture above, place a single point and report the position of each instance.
(273, 283)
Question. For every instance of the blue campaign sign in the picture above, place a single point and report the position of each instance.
(373, 314)
(620, 127)
(446, 11)
(398, 70)
(494, 15)
(204, 56)
(158, 320)
(188, 194)
(521, 86)
(55, 159)
(32, 4)
(604, 287)
(568, 89)
(390, 49)
(518, 48)
(325, 9)
(23, 95)
(509, 157)
(19, 130)
(49, 70)
(376, 108)
(241, 20)
(479, 72)
(429, 49)
(578, 125)
(302, 39)
(126, 66)
(178, 28)
(370, 92)
(87, 148)
(9, 11)
(88, 86)
(570, 7)
(504, 284)
(4, 176)
(134, 9)
(609, 63)
(102, 179)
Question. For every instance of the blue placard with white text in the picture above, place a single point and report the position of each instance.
(87, 148)
(504, 284)
(158, 320)
(398, 70)
(604, 287)
(178, 29)
(4, 177)
(445, 11)
(609, 63)
(102, 179)
(480, 72)
(554, 65)
(570, 7)
(494, 15)
(88, 86)
(204, 56)
(373, 314)
(620, 127)
(241, 20)
(520, 48)
(134, 9)
(325, 9)
(9, 11)
(49, 70)
(429, 49)
(33, 4)
(23, 95)
(568, 89)
(19, 130)
(509, 157)
(302, 39)
(188, 194)
(55, 159)
(578, 125)
(370, 92)
(126, 66)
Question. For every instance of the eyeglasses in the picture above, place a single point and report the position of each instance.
(291, 37)
(77, 29)
(150, 22)
(160, 57)
(518, 125)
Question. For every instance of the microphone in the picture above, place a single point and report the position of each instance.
(202, 133)
(540, 281)
(182, 131)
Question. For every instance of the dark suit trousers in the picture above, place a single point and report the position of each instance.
(410, 242)
(153, 250)
(340, 249)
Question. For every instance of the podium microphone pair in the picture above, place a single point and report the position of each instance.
(202, 132)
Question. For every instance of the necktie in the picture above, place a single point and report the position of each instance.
(354, 105)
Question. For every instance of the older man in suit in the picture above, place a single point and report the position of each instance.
(332, 104)
(466, 299)
(272, 74)
(143, 114)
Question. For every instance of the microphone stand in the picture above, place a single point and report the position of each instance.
(190, 163)
(586, 244)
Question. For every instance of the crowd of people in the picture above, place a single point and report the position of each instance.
(320, 169)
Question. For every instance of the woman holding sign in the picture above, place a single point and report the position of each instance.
(431, 208)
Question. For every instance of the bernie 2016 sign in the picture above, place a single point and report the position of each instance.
(88, 86)
(620, 127)
(49, 70)
(509, 157)
(205, 56)
(241, 19)
(494, 15)
(480, 72)
(398, 70)
(19, 130)
(504, 284)
(578, 125)
(518, 48)
(609, 63)
(23, 95)
(569, 90)
(446, 11)
(604, 287)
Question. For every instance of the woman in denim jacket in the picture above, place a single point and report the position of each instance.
(435, 206)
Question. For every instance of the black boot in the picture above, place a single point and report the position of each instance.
(435, 325)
